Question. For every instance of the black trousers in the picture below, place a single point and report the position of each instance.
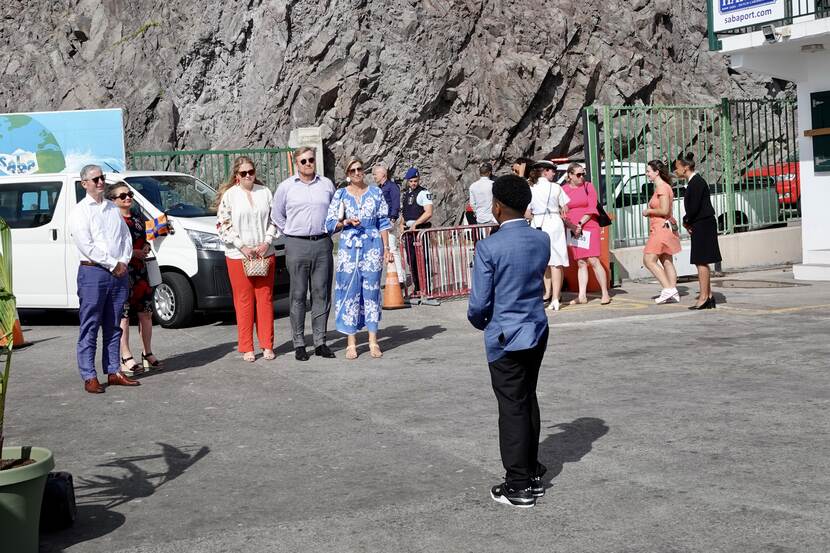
(514, 379)
(411, 249)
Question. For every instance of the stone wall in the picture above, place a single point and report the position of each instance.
(442, 84)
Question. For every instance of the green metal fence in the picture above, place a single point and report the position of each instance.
(794, 11)
(745, 149)
(213, 166)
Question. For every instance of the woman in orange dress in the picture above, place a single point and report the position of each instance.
(663, 241)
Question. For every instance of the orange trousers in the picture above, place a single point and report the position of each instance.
(252, 296)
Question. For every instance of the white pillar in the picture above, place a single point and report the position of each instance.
(815, 187)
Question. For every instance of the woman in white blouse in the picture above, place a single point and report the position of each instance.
(547, 202)
(243, 212)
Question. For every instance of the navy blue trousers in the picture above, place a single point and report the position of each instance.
(102, 297)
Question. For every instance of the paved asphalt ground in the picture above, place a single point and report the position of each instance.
(664, 430)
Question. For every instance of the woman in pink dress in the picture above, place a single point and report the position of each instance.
(584, 232)
(663, 241)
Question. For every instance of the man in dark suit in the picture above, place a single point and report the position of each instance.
(506, 303)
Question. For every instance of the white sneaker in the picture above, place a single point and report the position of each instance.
(554, 305)
(665, 295)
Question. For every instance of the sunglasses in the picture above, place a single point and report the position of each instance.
(244, 174)
(122, 196)
(578, 175)
(308, 160)
(355, 170)
(97, 179)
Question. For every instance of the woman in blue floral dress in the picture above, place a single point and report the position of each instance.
(361, 213)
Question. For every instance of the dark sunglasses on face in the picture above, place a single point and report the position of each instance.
(309, 160)
(355, 170)
(97, 179)
(244, 174)
(578, 175)
(122, 196)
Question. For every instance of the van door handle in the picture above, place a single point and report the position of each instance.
(54, 234)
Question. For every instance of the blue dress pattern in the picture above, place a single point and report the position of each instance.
(359, 261)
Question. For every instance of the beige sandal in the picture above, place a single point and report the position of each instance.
(268, 354)
(374, 351)
(351, 352)
(249, 356)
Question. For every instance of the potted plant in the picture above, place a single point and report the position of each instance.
(23, 470)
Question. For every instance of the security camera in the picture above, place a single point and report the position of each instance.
(770, 34)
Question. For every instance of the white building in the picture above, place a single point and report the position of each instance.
(790, 39)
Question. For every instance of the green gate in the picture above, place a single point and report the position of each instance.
(745, 149)
(213, 166)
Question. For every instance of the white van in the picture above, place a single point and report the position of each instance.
(192, 259)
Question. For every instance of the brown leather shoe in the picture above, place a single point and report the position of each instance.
(120, 379)
(93, 386)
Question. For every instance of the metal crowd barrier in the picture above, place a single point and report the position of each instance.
(440, 260)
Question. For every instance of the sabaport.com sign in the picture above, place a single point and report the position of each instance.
(731, 14)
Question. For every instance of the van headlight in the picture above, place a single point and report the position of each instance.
(206, 240)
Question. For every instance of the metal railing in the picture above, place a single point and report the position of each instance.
(795, 11)
(213, 166)
(745, 149)
(440, 259)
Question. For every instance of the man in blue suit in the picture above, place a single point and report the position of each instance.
(506, 303)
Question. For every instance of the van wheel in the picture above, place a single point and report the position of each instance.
(173, 301)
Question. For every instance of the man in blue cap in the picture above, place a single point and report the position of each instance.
(416, 211)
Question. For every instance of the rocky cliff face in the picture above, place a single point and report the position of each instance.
(442, 84)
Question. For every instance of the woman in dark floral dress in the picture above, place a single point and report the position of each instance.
(140, 301)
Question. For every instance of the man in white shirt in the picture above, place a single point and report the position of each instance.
(105, 248)
(481, 195)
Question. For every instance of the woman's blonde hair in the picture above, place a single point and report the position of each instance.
(573, 166)
(352, 161)
(225, 186)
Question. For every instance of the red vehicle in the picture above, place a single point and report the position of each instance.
(786, 176)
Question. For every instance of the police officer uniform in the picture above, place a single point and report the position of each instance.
(413, 202)
(412, 207)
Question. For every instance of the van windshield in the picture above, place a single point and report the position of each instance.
(179, 195)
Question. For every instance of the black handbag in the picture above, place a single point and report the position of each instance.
(603, 219)
(58, 509)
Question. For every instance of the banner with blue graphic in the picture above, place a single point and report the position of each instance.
(731, 14)
(61, 141)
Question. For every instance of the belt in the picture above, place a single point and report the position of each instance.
(312, 238)
(93, 264)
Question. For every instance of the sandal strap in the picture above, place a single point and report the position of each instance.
(125, 359)
(148, 354)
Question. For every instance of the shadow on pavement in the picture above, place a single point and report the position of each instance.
(191, 359)
(389, 338)
(96, 497)
(570, 444)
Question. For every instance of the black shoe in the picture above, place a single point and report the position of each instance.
(300, 354)
(537, 487)
(517, 498)
(324, 351)
(708, 304)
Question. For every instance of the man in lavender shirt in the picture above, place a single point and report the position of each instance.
(299, 212)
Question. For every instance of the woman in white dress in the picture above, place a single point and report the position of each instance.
(546, 207)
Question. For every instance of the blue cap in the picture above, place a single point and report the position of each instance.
(411, 173)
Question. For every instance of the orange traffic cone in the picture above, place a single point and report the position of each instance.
(17, 337)
(392, 293)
